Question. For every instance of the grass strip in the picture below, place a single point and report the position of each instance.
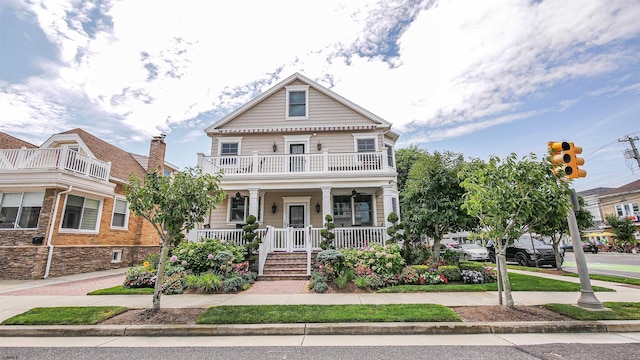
(619, 311)
(71, 315)
(522, 282)
(434, 288)
(610, 278)
(121, 290)
(282, 314)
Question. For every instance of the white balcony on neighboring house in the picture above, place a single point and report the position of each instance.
(246, 166)
(53, 161)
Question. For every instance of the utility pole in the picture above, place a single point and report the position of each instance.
(633, 153)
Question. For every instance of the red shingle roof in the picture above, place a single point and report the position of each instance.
(9, 142)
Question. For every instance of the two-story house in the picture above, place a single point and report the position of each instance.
(63, 208)
(623, 203)
(296, 153)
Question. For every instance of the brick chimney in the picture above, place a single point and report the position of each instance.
(156, 155)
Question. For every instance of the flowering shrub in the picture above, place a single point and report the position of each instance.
(451, 272)
(380, 260)
(140, 277)
(421, 275)
(203, 256)
(486, 275)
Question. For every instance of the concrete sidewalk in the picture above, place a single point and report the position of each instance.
(19, 296)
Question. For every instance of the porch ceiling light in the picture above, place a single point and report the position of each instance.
(238, 196)
(274, 208)
(275, 147)
(354, 193)
(317, 207)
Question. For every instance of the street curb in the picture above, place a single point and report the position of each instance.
(302, 329)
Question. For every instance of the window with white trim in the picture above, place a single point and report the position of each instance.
(229, 150)
(389, 150)
(297, 102)
(239, 209)
(116, 256)
(627, 209)
(353, 210)
(120, 217)
(81, 213)
(20, 210)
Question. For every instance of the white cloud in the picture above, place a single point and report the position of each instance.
(461, 66)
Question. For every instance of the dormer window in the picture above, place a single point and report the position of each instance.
(297, 102)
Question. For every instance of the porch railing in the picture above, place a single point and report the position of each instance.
(294, 163)
(54, 158)
(293, 239)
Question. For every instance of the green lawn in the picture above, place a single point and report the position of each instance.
(121, 290)
(615, 279)
(268, 314)
(73, 315)
(619, 311)
(434, 288)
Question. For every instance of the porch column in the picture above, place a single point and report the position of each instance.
(387, 201)
(254, 194)
(326, 202)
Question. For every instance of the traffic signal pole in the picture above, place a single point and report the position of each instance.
(587, 299)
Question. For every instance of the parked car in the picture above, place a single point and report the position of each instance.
(526, 250)
(473, 252)
(586, 247)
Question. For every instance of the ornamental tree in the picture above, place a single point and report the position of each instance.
(432, 198)
(172, 204)
(624, 229)
(506, 196)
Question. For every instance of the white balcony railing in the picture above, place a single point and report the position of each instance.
(326, 162)
(54, 158)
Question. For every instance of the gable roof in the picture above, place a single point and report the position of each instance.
(297, 76)
(624, 189)
(123, 163)
(9, 142)
(595, 191)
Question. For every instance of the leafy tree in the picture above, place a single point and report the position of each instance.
(623, 229)
(553, 222)
(327, 233)
(172, 205)
(405, 158)
(505, 195)
(432, 198)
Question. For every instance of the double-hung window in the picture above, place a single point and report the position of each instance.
(353, 210)
(366, 146)
(81, 213)
(20, 210)
(120, 214)
(239, 209)
(297, 102)
(229, 151)
(627, 209)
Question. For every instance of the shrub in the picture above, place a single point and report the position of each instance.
(152, 259)
(344, 278)
(233, 283)
(317, 277)
(451, 272)
(205, 282)
(320, 287)
(409, 276)
(451, 257)
(327, 233)
(380, 260)
(470, 265)
(361, 282)
(199, 257)
(416, 254)
(173, 283)
(331, 263)
(139, 277)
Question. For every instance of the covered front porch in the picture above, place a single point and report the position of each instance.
(291, 239)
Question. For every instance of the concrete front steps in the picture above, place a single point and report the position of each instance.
(285, 266)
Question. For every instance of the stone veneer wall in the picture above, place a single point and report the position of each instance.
(24, 237)
(23, 262)
(29, 262)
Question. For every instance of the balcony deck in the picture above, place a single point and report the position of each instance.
(296, 164)
(60, 159)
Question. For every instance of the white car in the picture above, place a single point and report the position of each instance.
(473, 252)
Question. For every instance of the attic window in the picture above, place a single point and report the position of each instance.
(297, 102)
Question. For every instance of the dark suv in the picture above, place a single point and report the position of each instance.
(525, 250)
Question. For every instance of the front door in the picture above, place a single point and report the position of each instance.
(296, 162)
(297, 224)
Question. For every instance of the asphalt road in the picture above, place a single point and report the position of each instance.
(546, 351)
(604, 263)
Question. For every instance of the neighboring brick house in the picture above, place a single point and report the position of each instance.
(63, 208)
(296, 153)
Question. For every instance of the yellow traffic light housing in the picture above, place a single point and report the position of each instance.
(572, 167)
(563, 156)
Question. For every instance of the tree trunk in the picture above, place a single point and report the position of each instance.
(157, 290)
(436, 251)
(506, 286)
(557, 253)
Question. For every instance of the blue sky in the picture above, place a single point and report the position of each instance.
(475, 77)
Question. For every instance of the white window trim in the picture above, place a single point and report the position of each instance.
(20, 208)
(362, 136)
(393, 152)
(246, 210)
(296, 139)
(116, 256)
(62, 230)
(294, 88)
(126, 214)
(229, 140)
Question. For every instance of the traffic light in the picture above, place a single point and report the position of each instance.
(572, 167)
(564, 157)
